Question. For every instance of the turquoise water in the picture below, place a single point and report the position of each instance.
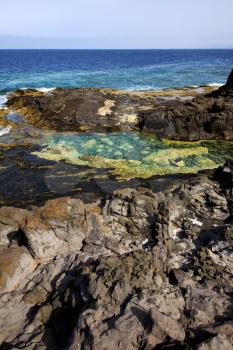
(130, 154)
(121, 69)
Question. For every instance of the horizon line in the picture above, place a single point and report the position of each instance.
(122, 49)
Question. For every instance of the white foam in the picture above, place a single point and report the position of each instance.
(44, 89)
(215, 84)
(142, 88)
(5, 130)
(3, 100)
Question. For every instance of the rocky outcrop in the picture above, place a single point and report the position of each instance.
(206, 116)
(10, 219)
(136, 270)
(79, 109)
(225, 90)
(55, 229)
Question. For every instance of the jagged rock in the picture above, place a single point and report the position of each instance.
(25, 311)
(131, 216)
(56, 228)
(16, 263)
(218, 342)
(224, 175)
(133, 305)
(225, 90)
(229, 83)
(207, 116)
(79, 109)
(10, 219)
(135, 270)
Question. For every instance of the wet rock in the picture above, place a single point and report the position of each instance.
(207, 116)
(225, 90)
(78, 109)
(229, 83)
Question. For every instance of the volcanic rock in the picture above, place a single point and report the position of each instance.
(10, 219)
(136, 270)
(15, 264)
(207, 116)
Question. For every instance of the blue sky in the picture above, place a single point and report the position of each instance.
(116, 24)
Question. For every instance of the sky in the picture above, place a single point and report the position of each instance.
(116, 24)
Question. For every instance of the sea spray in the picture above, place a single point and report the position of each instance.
(5, 130)
(3, 100)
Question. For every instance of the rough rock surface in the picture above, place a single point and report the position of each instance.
(207, 116)
(137, 270)
(10, 219)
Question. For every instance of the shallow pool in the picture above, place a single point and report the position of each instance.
(129, 155)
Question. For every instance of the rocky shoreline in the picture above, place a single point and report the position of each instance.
(137, 270)
(185, 115)
(131, 269)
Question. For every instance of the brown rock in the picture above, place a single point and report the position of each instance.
(218, 342)
(10, 219)
(16, 263)
(58, 228)
(207, 116)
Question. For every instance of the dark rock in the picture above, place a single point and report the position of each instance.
(207, 116)
(138, 270)
(229, 83)
(225, 90)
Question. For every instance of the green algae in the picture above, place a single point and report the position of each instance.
(130, 155)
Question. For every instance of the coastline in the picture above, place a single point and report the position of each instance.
(133, 263)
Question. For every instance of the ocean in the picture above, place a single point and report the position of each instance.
(120, 157)
(120, 69)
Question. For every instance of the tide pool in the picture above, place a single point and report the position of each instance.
(128, 155)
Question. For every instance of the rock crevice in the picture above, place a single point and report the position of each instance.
(138, 271)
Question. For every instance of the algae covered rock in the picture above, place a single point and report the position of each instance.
(207, 116)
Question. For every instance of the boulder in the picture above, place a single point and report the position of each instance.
(134, 270)
(139, 304)
(16, 264)
(58, 228)
(218, 342)
(10, 219)
(229, 83)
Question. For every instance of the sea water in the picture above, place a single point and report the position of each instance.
(129, 154)
(120, 69)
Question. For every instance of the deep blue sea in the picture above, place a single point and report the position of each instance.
(121, 69)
